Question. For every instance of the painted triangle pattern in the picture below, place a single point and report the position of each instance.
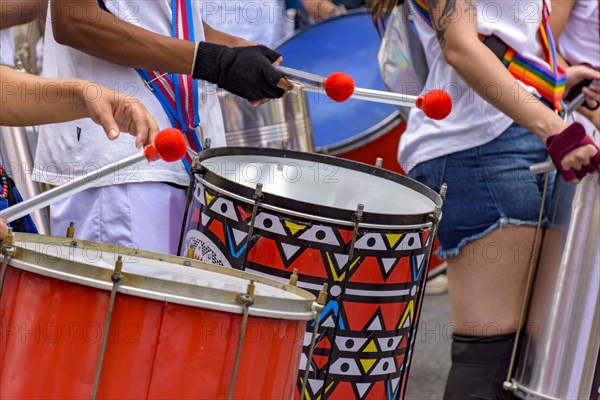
(369, 322)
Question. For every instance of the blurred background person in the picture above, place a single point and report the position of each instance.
(576, 28)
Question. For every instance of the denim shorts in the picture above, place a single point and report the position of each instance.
(489, 186)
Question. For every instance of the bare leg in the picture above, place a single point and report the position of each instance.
(487, 283)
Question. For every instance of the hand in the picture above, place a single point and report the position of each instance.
(322, 9)
(117, 112)
(574, 153)
(3, 229)
(245, 71)
(579, 73)
(244, 43)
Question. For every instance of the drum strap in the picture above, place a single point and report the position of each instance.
(177, 93)
(549, 82)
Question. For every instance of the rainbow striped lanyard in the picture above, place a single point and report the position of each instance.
(549, 82)
(177, 93)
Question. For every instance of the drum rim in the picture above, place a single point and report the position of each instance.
(368, 135)
(326, 212)
(154, 288)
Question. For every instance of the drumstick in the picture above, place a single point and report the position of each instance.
(548, 166)
(169, 145)
(339, 87)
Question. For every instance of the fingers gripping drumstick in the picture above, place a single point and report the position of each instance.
(339, 87)
(169, 145)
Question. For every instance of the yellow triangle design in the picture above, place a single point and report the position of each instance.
(354, 263)
(408, 313)
(393, 238)
(368, 364)
(209, 198)
(333, 270)
(293, 227)
(306, 394)
(329, 387)
(371, 347)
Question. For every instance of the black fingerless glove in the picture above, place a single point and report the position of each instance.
(245, 71)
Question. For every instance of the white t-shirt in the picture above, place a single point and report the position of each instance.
(579, 41)
(7, 47)
(473, 121)
(73, 148)
(263, 22)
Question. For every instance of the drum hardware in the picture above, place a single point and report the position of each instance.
(8, 251)
(258, 196)
(246, 300)
(70, 231)
(294, 277)
(190, 253)
(318, 306)
(196, 168)
(357, 219)
(116, 279)
(379, 162)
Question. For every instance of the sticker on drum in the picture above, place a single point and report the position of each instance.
(174, 329)
(374, 262)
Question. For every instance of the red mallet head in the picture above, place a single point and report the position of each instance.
(339, 86)
(436, 104)
(169, 145)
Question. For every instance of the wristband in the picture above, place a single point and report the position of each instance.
(573, 137)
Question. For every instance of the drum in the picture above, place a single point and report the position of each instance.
(347, 43)
(357, 130)
(281, 123)
(78, 322)
(561, 344)
(364, 231)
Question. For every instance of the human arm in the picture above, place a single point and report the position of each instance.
(33, 100)
(455, 23)
(3, 230)
(561, 12)
(122, 43)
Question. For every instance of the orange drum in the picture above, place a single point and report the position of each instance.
(73, 327)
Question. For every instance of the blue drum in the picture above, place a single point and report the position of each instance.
(348, 43)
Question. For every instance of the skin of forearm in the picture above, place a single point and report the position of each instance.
(214, 36)
(119, 42)
(497, 86)
(30, 100)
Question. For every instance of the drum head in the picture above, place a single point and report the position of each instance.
(348, 43)
(320, 185)
(158, 276)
